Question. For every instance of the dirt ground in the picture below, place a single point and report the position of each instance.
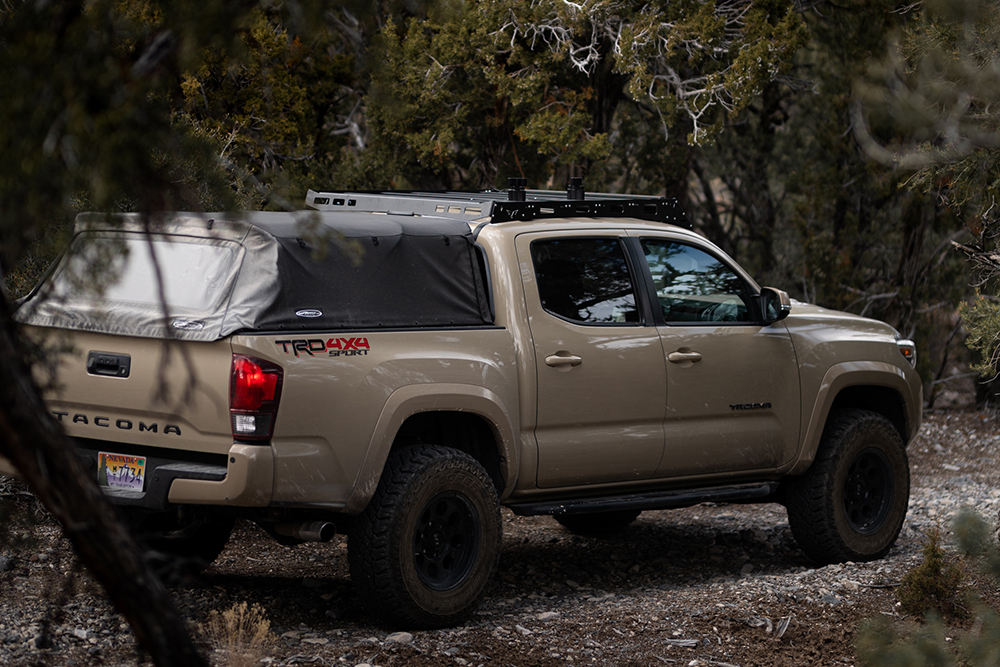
(713, 584)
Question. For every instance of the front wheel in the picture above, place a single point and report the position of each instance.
(424, 550)
(851, 503)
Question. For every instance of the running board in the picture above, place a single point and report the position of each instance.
(655, 500)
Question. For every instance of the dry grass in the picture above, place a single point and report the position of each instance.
(240, 635)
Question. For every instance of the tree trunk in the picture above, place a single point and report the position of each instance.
(36, 445)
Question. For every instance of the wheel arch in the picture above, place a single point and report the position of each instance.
(875, 386)
(468, 418)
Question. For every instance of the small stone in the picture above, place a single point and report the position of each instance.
(400, 638)
(548, 615)
(523, 630)
(6, 564)
(80, 633)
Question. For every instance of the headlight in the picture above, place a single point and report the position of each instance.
(909, 351)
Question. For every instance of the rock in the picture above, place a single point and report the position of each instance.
(400, 638)
(6, 564)
(548, 615)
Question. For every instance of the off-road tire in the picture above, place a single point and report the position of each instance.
(424, 550)
(198, 536)
(850, 504)
(597, 524)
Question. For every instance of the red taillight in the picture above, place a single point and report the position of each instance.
(254, 391)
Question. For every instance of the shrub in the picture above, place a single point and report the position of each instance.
(241, 634)
(937, 584)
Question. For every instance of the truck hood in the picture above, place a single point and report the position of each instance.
(805, 317)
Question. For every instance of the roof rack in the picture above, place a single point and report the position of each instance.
(512, 204)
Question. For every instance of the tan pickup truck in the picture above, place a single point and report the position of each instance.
(415, 361)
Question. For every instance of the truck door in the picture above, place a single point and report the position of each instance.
(732, 383)
(601, 386)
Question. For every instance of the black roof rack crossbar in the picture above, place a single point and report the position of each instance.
(495, 205)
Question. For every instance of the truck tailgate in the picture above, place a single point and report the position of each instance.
(140, 391)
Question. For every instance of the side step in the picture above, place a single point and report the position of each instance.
(655, 500)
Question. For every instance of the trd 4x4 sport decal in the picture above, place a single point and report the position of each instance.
(334, 347)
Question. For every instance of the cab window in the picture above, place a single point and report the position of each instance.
(585, 280)
(695, 286)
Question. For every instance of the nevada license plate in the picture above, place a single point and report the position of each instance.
(119, 471)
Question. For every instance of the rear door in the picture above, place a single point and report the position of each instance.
(601, 386)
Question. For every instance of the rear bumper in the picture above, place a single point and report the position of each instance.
(243, 478)
(249, 481)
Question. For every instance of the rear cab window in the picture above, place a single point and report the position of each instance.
(585, 280)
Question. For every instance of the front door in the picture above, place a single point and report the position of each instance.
(732, 383)
(599, 364)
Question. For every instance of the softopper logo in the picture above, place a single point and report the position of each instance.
(309, 312)
(188, 325)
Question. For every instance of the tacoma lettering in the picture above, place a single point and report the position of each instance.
(122, 424)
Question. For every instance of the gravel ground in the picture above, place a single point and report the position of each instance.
(709, 585)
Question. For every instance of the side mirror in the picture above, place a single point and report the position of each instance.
(774, 305)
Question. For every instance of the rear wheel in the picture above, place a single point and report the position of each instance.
(851, 503)
(597, 524)
(427, 545)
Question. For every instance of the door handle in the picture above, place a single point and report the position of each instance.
(680, 357)
(563, 360)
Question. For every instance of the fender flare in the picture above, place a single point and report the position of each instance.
(853, 374)
(407, 401)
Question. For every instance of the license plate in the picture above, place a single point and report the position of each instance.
(119, 471)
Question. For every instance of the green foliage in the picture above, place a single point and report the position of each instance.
(937, 584)
(880, 644)
(982, 323)
(931, 105)
(86, 116)
(270, 106)
(474, 92)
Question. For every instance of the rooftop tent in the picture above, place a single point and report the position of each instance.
(224, 273)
